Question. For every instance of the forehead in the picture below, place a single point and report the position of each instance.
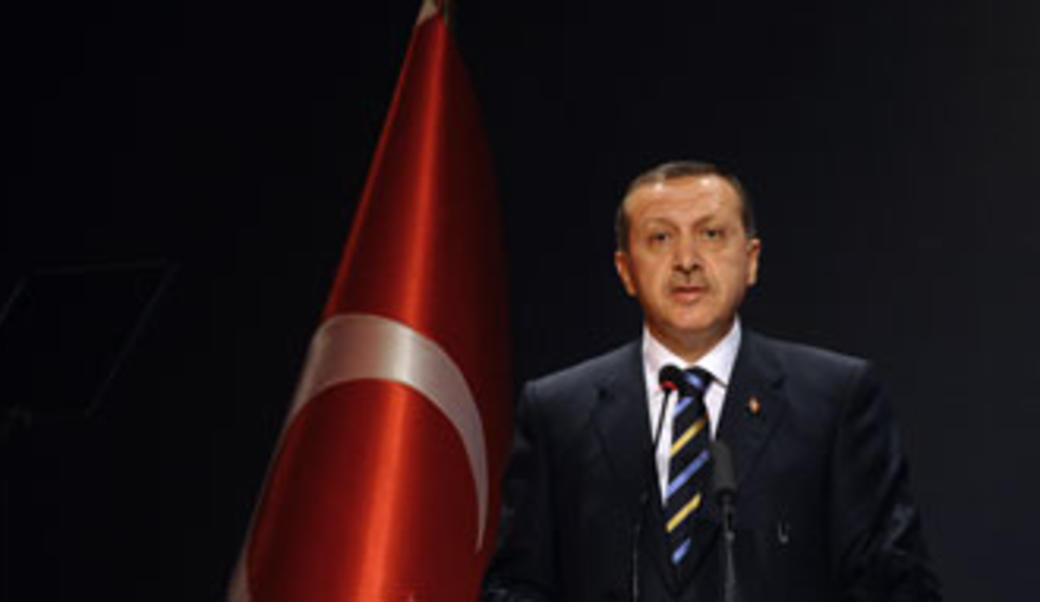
(689, 197)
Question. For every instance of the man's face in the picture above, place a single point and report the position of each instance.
(689, 260)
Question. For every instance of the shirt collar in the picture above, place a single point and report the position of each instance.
(718, 360)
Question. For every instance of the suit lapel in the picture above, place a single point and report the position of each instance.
(755, 404)
(623, 424)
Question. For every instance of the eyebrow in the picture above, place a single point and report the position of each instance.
(668, 221)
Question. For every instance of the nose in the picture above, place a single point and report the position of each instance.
(687, 256)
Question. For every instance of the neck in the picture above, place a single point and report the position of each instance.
(691, 346)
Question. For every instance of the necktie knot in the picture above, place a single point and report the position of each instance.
(692, 382)
(698, 378)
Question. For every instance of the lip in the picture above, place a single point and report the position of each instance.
(687, 293)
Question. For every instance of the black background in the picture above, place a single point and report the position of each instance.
(889, 147)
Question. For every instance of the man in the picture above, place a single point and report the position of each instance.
(608, 491)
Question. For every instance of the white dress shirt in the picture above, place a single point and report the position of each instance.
(718, 361)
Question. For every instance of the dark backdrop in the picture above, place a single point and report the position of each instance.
(890, 148)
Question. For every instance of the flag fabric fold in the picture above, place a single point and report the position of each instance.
(383, 485)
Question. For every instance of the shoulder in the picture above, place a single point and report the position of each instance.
(586, 377)
(796, 354)
(811, 368)
(558, 408)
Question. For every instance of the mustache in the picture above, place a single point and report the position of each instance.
(686, 281)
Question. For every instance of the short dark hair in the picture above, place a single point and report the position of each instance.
(681, 169)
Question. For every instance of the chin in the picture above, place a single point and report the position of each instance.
(685, 328)
(701, 325)
(695, 321)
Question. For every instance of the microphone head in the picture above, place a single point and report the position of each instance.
(672, 378)
(723, 482)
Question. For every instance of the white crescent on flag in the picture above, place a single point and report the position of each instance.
(351, 347)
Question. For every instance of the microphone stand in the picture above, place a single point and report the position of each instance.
(729, 582)
(645, 496)
(726, 492)
(636, 531)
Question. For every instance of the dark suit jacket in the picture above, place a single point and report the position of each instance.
(823, 510)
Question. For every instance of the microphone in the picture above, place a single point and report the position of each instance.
(724, 486)
(671, 379)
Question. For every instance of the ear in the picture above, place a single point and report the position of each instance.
(754, 249)
(622, 262)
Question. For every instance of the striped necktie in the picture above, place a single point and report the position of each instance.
(688, 464)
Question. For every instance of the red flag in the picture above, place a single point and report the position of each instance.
(384, 483)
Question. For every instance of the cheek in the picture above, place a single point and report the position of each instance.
(727, 280)
(647, 271)
(734, 266)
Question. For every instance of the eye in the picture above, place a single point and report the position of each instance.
(659, 236)
(713, 233)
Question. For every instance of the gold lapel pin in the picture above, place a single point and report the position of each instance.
(754, 407)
